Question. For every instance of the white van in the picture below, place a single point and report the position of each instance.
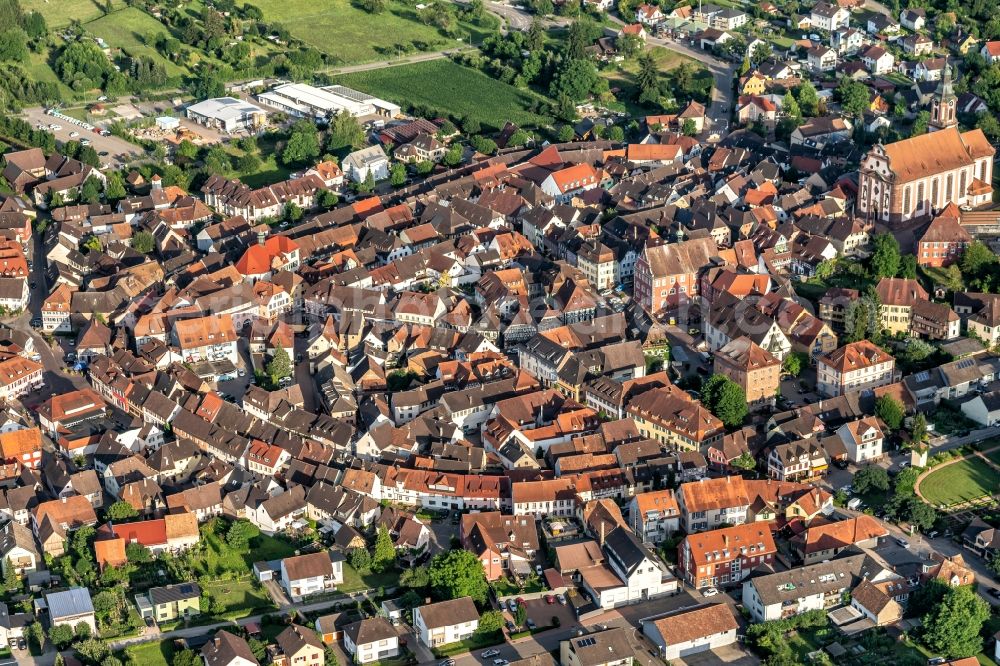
(854, 504)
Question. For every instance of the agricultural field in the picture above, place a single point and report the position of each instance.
(443, 86)
(959, 482)
(129, 29)
(60, 13)
(353, 35)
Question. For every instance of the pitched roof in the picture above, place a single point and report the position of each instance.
(937, 152)
(690, 624)
(680, 258)
(855, 356)
(224, 648)
(447, 613)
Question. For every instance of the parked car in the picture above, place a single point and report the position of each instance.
(561, 598)
(538, 569)
(490, 653)
(500, 662)
(512, 605)
(531, 624)
(709, 592)
(994, 592)
(902, 542)
(549, 599)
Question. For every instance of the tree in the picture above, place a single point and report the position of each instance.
(890, 411)
(920, 123)
(853, 96)
(416, 578)
(483, 145)
(303, 144)
(93, 650)
(871, 477)
(688, 127)
(13, 45)
(92, 244)
(385, 552)
(373, 6)
(330, 657)
(919, 513)
(280, 365)
(519, 138)
(115, 188)
(885, 258)
(744, 461)
(795, 362)
(328, 199)
(397, 175)
(11, 582)
(566, 134)
(918, 431)
(293, 212)
(731, 404)
(144, 242)
(520, 615)
(453, 157)
(952, 627)
(187, 150)
(790, 106)
(456, 574)
(81, 631)
(91, 190)
(976, 259)
(361, 560)
(648, 79)
(726, 399)
(908, 267)
(808, 99)
(186, 658)
(490, 622)
(240, 533)
(61, 635)
(136, 553)
(345, 132)
(120, 510)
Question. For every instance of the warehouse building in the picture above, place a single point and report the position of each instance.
(302, 100)
(228, 114)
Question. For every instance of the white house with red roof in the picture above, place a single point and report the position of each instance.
(991, 52)
(565, 184)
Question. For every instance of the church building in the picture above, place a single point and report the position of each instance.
(918, 177)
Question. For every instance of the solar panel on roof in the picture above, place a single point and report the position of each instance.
(585, 642)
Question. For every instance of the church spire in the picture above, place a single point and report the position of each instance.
(943, 111)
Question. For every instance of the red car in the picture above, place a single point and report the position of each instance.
(549, 599)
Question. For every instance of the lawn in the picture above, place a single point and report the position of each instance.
(447, 87)
(238, 598)
(353, 581)
(622, 76)
(151, 654)
(59, 13)
(352, 35)
(219, 557)
(128, 29)
(477, 642)
(960, 482)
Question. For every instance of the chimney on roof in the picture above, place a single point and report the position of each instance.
(63, 499)
(261, 235)
(156, 183)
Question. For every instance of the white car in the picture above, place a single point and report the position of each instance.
(709, 592)
(55, 128)
(538, 569)
(74, 134)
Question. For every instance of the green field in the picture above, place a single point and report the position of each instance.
(353, 35)
(59, 13)
(963, 481)
(128, 30)
(353, 581)
(446, 87)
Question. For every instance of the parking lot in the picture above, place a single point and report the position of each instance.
(118, 150)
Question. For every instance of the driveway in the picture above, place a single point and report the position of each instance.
(731, 655)
(277, 593)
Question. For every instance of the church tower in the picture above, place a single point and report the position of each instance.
(943, 104)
